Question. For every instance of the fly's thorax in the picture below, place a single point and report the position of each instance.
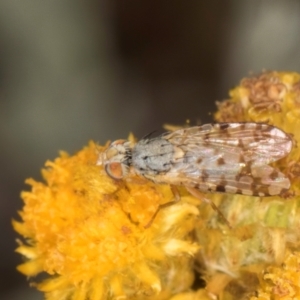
(152, 156)
(116, 159)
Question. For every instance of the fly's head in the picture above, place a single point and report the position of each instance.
(116, 159)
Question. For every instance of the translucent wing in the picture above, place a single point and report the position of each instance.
(228, 157)
(259, 143)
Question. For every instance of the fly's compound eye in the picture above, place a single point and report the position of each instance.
(116, 170)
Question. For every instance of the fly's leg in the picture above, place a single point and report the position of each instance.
(162, 206)
(197, 194)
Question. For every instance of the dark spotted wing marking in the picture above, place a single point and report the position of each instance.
(228, 157)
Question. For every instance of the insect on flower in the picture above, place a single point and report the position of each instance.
(224, 157)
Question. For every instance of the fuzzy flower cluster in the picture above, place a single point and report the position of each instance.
(87, 233)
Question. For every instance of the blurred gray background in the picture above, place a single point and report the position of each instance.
(71, 71)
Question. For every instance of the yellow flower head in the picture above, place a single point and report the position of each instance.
(88, 233)
(264, 229)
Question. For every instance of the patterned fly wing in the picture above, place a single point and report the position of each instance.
(224, 157)
(230, 157)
